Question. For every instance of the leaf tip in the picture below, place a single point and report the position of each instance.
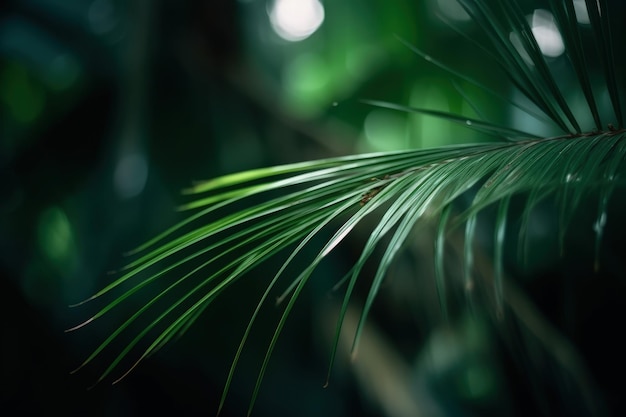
(193, 189)
(279, 300)
(78, 326)
(72, 372)
(80, 303)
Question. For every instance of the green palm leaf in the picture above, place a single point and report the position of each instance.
(230, 232)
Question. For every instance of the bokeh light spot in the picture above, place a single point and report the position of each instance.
(131, 174)
(306, 81)
(478, 382)
(55, 235)
(547, 34)
(385, 130)
(63, 72)
(24, 99)
(430, 131)
(296, 20)
(101, 16)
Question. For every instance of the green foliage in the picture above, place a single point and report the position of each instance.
(241, 220)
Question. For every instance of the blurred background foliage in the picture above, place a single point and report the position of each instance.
(109, 108)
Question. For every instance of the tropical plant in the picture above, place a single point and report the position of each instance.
(241, 220)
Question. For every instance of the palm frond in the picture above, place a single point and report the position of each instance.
(229, 232)
(599, 15)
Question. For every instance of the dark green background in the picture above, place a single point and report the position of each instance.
(188, 90)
